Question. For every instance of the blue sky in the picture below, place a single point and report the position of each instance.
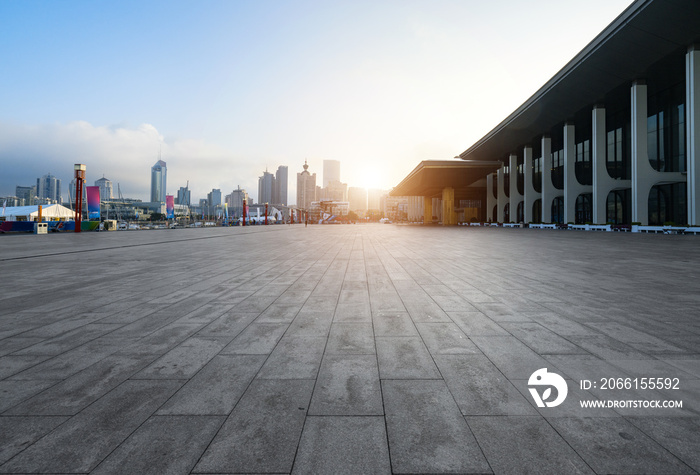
(225, 89)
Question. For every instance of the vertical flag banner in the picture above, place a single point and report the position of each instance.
(169, 206)
(93, 202)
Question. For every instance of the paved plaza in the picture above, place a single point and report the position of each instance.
(348, 349)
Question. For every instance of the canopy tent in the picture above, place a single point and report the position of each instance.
(30, 213)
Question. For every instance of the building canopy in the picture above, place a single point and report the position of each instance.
(430, 177)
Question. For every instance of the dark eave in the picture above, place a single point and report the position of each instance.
(431, 176)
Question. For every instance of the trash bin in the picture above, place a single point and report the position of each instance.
(41, 228)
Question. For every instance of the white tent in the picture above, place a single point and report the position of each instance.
(30, 213)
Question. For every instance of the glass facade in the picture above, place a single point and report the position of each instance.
(667, 205)
(558, 210)
(618, 207)
(666, 130)
(558, 169)
(520, 175)
(537, 174)
(584, 208)
(583, 167)
(506, 181)
(617, 158)
(537, 211)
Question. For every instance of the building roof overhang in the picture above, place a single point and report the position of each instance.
(644, 34)
(430, 177)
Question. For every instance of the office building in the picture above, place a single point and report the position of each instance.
(373, 198)
(214, 198)
(183, 196)
(281, 185)
(159, 178)
(614, 137)
(106, 189)
(335, 191)
(26, 195)
(48, 187)
(266, 185)
(235, 201)
(306, 188)
(331, 171)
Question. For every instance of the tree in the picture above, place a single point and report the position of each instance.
(352, 216)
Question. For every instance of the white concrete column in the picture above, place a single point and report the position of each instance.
(515, 197)
(548, 190)
(598, 161)
(490, 198)
(502, 199)
(692, 124)
(641, 169)
(570, 187)
(529, 186)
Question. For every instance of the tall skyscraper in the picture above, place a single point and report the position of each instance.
(26, 194)
(49, 187)
(281, 182)
(214, 198)
(183, 196)
(235, 201)
(106, 189)
(266, 184)
(159, 175)
(331, 171)
(306, 188)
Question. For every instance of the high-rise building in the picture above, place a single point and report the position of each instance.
(331, 171)
(235, 201)
(106, 189)
(26, 194)
(266, 184)
(357, 198)
(159, 175)
(183, 196)
(279, 196)
(71, 193)
(214, 198)
(335, 191)
(306, 188)
(49, 187)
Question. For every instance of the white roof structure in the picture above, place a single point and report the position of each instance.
(13, 213)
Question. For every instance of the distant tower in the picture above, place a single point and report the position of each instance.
(159, 174)
(106, 189)
(306, 188)
(266, 185)
(49, 187)
(331, 171)
(281, 182)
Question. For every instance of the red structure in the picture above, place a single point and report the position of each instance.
(79, 180)
(265, 214)
(244, 214)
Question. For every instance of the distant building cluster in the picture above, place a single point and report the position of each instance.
(334, 198)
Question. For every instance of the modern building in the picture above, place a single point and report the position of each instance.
(235, 201)
(71, 194)
(374, 196)
(266, 186)
(26, 194)
(306, 188)
(614, 137)
(183, 196)
(331, 172)
(106, 189)
(335, 191)
(214, 198)
(357, 197)
(49, 188)
(159, 179)
(279, 196)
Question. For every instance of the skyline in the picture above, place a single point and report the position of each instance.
(226, 90)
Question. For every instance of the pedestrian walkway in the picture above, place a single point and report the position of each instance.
(349, 349)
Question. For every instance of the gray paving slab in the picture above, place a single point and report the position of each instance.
(531, 446)
(347, 385)
(343, 445)
(163, 445)
(344, 350)
(217, 388)
(82, 442)
(426, 430)
(405, 358)
(262, 433)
